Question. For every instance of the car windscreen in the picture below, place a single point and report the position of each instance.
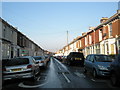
(17, 61)
(103, 58)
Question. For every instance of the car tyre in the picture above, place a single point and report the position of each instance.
(95, 74)
(85, 71)
(69, 63)
(34, 77)
(114, 80)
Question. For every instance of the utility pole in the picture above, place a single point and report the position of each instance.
(119, 5)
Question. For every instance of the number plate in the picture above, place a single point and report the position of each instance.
(77, 58)
(18, 69)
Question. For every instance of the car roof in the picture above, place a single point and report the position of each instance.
(98, 54)
(37, 56)
(24, 57)
(76, 53)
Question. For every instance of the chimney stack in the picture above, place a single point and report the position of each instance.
(118, 11)
(91, 28)
(103, 19)
(83, 33)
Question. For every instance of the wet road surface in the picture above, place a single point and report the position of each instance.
(59, 75)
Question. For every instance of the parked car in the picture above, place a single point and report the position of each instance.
(59, 58)
(98, 64)
(115, 71)
(47, 57)
(4, 61)
(64, 59)
(75, 58)
(22, 67)
(42, 61)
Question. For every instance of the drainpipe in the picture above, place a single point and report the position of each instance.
(0, 53)
(94, 41)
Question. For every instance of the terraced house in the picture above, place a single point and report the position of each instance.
(14, 43)
(102, 39)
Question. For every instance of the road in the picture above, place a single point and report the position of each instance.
(59, 75)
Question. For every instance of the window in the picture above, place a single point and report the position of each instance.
(37, 58)
(17, 61)
(100, 34)
(80, 44)
(85, 40)
(103, 58)
(110, 29)
(92, 58)
(112, 48)
(88, 57)
(97, 48)
(4, 33)
(119, 44)
(90, 39)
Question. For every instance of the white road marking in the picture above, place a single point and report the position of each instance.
(93, 80)
(62, 65)
(29, 86)
(38, 78)
(98, 80)
(59, 68)
(79, 74)
(66, 77)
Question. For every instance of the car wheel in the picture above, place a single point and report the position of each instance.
(3, 82)
(69, 63)
(114, 79)
(85, 71)
(95, 74)
(34, 77)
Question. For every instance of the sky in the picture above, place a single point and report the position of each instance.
(47, 23)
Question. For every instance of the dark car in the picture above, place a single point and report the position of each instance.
(59, 58)
(75, 58)
(115, 71)
(98, 64)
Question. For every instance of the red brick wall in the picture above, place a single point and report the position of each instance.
(83, 42)
(118, 27)
(115, 28)
(97, 36)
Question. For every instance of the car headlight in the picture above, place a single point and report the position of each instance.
(102, 67)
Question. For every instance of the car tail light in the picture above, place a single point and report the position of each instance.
(42, 61)
(29, 66)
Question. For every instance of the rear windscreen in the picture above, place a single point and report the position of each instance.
(17, 61)
(77, 54)
(37, 58)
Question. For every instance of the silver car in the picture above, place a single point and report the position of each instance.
(22, 67)
(42, 61)
(98, 64)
